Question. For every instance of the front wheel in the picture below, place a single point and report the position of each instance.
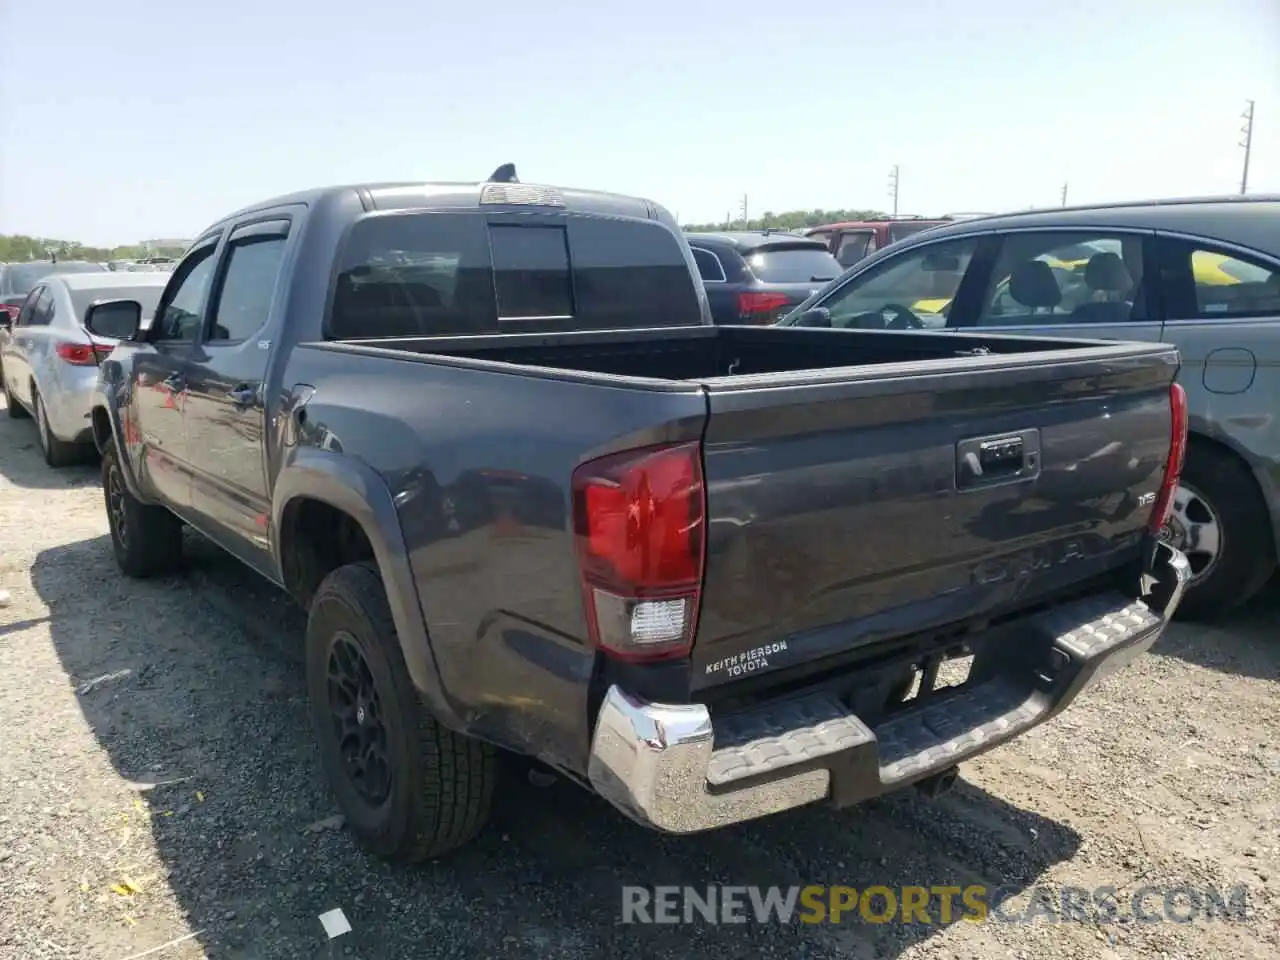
(1220, 521)
(146, 540)
(409, 788)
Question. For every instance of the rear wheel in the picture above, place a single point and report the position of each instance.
(409, 788)
(57, 453)
(16, 410)
(146, 540)
(1220, 521)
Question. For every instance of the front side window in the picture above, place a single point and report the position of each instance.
(181, 312)
(247, 289)
(1068, 277)
(911, 291)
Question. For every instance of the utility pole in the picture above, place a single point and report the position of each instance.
(1064, 194)
(728, 219)
(1247, 130)
(746, 219)
(893, 188)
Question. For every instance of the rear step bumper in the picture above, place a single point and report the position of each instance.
(668, 766)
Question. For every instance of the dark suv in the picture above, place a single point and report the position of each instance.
(757, 277)
(17, 279)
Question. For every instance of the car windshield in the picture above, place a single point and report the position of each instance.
(27, 275)
(147, 295)
(794, 264)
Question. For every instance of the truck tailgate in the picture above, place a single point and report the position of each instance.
(850, 507)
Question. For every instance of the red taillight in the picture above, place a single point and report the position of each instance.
(638, 522)
(1177, 455)
(82, 354)
(760, 306)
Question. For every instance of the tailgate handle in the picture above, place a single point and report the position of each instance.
(1005, 458)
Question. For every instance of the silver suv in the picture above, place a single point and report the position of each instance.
(1203, 274)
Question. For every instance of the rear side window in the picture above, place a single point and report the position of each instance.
(43, 310)
(430, 275)
(709, 266)
(793, 265)
(1206, 284)
(414, 275)
(900, 231)
(854, 247)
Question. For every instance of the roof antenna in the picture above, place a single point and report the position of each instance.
(504, 174)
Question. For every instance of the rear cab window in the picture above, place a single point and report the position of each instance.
(457, 274)
(792, 264)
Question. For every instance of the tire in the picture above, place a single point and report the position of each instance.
(16, 410)
(146, 540)
(1218, 488)
(57, 453)
(440, 783)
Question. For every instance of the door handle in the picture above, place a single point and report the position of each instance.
(244, 396)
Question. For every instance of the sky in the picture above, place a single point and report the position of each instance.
(125, 122)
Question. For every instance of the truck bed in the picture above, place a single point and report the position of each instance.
(841, 515)
(702, 353)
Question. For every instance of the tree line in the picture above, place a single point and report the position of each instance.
(21, 249)
(790, 220)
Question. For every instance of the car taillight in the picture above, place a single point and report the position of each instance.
(759, 305)
(1173, 465)
(81, 354)
(638, 521)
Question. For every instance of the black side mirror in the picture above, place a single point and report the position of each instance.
(815, 317)
(115, 319)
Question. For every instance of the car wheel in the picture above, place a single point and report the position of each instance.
(409, 788)
(57, 453)
(1221, 522)
(16, 410)
(146, 539)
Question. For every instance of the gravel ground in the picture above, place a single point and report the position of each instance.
(158, 780)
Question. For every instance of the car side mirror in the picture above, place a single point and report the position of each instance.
(815, 317)
(114, 319)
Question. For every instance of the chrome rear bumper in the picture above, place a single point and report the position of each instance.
(669, 767)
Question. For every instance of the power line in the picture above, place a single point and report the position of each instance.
(1247, 130)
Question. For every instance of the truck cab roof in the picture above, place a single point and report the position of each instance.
(462, 195)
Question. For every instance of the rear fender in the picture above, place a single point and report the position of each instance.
(354, 488)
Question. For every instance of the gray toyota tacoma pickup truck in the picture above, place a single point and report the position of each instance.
(536, 503)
